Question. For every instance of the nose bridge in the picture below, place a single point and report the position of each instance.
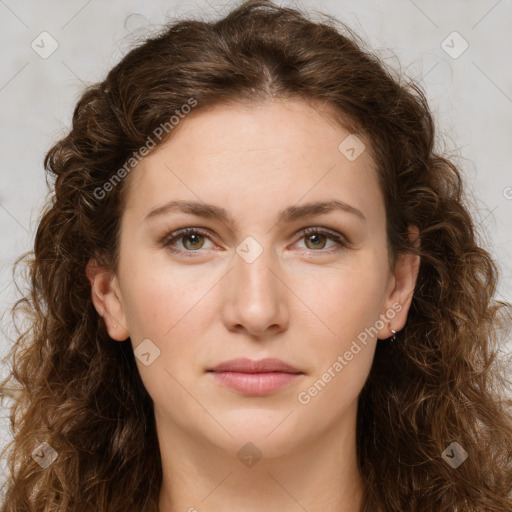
(256, 300)
(252, 266)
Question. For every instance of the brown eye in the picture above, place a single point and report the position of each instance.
(316, 240)
(192, 240)
(186, 241)
(196, 241)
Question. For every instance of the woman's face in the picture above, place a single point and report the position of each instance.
(248, 282)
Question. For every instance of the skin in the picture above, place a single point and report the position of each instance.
(301, 301)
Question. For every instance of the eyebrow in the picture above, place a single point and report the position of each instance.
(290, 214)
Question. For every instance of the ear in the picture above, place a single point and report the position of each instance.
(107, 299)
(401, 288)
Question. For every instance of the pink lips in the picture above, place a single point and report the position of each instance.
(255, 378)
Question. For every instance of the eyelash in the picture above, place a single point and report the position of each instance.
(342, 243)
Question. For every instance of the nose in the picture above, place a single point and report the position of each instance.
(255, 295)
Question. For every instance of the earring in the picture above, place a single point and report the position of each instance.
(393, 338)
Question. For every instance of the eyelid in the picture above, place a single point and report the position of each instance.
(340, 239)
(325, 231)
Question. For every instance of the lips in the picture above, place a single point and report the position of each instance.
(244, 365)
(255, 378)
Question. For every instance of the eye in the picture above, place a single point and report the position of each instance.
(192, 240)
(316, 238)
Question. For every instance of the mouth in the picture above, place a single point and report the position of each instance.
(255, 378)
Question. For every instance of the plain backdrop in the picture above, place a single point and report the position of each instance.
(457, 50)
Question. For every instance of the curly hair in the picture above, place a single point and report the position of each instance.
(443, 380)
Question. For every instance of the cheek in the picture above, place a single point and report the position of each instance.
(334, 302)
(330, 393)
(347, 298)
(158, 296)
(164, 308)
(175, 306)
(341, 351)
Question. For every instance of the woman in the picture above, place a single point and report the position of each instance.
(257, 287)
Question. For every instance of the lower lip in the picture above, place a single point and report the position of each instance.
(256, 384)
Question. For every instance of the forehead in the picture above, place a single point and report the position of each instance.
(254, 155)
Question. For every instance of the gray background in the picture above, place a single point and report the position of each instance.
(470, 95)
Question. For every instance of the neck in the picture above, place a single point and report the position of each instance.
(317, 474)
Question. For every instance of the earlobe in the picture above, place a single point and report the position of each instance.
(400, 297)
(107, 299)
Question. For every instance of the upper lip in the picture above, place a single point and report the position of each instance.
(244, 365)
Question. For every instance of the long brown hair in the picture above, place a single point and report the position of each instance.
(439, 383)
